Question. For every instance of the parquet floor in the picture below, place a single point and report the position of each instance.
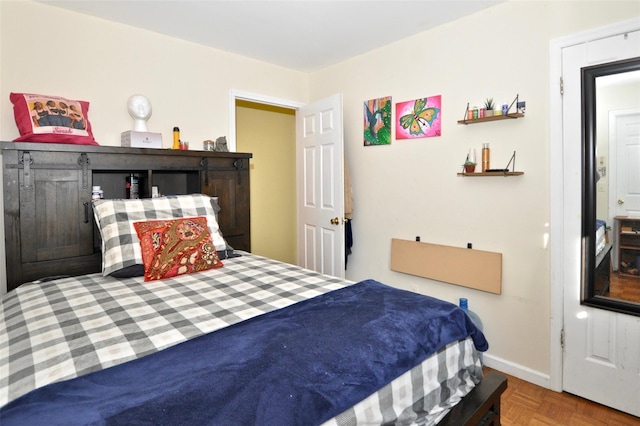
(525, 404)
(624, 287)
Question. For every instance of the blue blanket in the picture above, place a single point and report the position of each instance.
(299, 365)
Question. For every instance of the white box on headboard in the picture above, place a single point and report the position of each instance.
(134, 139)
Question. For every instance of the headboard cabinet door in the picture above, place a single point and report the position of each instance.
(47, 215)
(229, 181)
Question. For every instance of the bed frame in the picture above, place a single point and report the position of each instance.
(481, 406)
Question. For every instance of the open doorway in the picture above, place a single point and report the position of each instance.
(269, 133)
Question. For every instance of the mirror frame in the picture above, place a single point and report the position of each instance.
(588, 82)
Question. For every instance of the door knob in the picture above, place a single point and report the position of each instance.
(335, 221)
(620, 201)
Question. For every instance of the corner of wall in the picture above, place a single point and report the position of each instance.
(519, 371)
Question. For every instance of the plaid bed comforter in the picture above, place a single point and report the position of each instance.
(62, 329)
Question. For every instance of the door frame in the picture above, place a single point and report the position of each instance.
(235, 95)
(557, 184)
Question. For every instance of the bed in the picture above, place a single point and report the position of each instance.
(248, 341)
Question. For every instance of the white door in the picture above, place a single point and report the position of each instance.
(320, 177)
(601, 359)
(627, 169)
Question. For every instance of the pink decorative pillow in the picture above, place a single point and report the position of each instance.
(53, 119)
(175, 247)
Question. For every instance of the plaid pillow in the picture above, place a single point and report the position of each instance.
(115, 218)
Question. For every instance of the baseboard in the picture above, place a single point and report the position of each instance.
(519, 371)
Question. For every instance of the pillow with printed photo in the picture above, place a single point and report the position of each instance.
(51, 119)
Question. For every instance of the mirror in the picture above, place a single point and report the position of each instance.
(611, 186)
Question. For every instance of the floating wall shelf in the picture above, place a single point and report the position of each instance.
(492, 118)
(491, 174)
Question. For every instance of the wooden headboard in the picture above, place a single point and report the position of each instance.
(47, 188)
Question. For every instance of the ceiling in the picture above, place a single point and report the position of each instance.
(305, 35)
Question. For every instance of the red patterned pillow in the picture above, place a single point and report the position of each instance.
(175, 247)
(42, 118)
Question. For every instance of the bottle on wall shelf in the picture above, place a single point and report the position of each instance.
(486, 157)
(475, 319)
(176, 138)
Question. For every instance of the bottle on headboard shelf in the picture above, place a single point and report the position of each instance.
(132, 187)
(96, 193)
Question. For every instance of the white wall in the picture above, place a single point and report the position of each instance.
(410, 188)
(51, 51)
(406, 189)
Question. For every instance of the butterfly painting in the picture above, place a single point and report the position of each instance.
(420, 118)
